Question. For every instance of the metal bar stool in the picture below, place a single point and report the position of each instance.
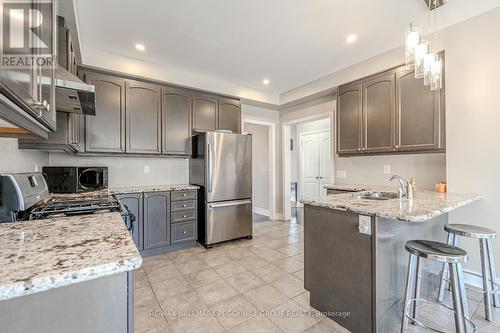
(448, 254)
(485, 236)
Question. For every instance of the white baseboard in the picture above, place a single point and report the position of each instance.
(472, 278)
(277, 217)
(261, 211)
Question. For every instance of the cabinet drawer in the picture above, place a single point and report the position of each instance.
(183, 216)
(183, 205)
(183, 195)
(182, 232)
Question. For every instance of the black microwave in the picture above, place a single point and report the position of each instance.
(75, 179)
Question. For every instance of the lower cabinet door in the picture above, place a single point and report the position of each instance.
(133, 202)
(183, 232)
(156, 219)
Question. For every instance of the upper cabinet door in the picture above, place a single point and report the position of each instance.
(143, 118)
(378, 114)
(418, 114)
(105, 132)
(229, 115)
(176, 121)
(204, 113)
(349, 111)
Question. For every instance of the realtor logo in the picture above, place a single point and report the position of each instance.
(27, 34)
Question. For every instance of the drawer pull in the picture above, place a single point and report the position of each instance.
(184, 216)
(184, 232)
(184, 206)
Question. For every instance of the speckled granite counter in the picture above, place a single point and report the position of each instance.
(426, 204)
(44, 254)
(151, 188)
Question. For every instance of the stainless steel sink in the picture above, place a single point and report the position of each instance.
(376, 196)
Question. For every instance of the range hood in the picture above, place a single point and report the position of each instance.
(72, 94)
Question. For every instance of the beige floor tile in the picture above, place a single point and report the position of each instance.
(216, 292)
(245, 281)
(230, 269)
(187, 304)
(143, 296)
(202, 324)
(181, 256)
(290, 265)
(238, 253)
(269, 272)
(216, 259)
(290, 317)
(202, 278)
(194, 265)
(152, 263)
(299, 274)
(289, 285)
(166, 288)
(290, 250)
(141, 279)
(325, 326)
(256, 325)
(252, 262)
(162, 273)
(299, 257)
(160, 328)
(147, 316)
(265, 297)
(233, 311)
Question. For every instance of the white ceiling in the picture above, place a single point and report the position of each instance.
(291, 42)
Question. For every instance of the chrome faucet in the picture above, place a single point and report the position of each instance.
(404, 189)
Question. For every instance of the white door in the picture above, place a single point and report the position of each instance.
(315, 164)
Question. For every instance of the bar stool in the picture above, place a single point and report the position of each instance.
(485, 237)
(448, 254)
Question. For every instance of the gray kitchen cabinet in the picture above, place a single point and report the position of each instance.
(176, 121)
(420, 123)
(349, 115)
(156, 219)
(229, 116)
(205, 112)
(143, 118)
(105, 132)
(378, 114)
(134, 202)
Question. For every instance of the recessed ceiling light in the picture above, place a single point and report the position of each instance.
(266, 82)
(351, 39)
(140, 47)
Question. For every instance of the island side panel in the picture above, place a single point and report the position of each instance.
(338, 267)
(99, 305)
(391, 262)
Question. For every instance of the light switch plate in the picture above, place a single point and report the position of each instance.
(147, 170)
(365, 225)
(341, 174)
(387, 169)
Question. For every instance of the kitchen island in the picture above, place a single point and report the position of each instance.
(354, 257)
(67, 273)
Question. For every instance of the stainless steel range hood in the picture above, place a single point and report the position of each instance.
(72, 94)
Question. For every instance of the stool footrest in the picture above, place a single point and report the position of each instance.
(421, 324)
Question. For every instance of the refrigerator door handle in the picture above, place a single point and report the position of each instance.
(230, 203)
(210, 168)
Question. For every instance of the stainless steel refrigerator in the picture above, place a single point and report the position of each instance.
(222, 166)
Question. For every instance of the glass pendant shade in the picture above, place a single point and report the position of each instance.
(412, 39)
(420, 53)
(437, 75)
(429, 60)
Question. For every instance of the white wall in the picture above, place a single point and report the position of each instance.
(472, 111)
(260, 166)
(124, 171)
(13, 159)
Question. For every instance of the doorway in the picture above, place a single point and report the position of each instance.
(263, 168)
(307, 161)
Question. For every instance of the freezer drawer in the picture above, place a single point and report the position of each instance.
(228, 220)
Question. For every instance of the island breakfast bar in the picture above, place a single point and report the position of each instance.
(354, 252)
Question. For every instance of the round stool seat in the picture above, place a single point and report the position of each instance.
(471, 231)
(436, 251)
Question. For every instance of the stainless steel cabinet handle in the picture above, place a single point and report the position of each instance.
(230, 203)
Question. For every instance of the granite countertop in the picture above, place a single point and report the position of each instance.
(151, 188)
(44, 254)
(426, 205)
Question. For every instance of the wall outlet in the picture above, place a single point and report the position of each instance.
(341, 174)
(387, 169)
(147, 170)
(365, 225)
(36, 168)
